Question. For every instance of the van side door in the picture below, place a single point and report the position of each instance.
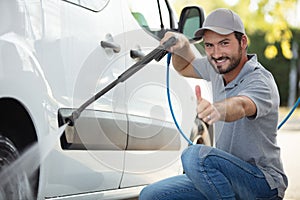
(90, 158)
(154, 144)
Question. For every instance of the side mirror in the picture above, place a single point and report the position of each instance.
(191, 19)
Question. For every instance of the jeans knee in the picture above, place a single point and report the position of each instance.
(146, 193)
(193, 156)
(188, 154)
(196, 151)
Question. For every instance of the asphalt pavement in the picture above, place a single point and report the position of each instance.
(289, 142)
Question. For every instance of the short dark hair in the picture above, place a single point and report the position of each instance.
(238, 36)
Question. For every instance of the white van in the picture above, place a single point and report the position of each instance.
(56, 54)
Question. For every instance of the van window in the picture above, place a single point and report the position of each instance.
(94, 5)
(152, 15)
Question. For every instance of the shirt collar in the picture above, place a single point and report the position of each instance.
(248, 67)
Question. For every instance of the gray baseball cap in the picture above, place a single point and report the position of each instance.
(222, 21)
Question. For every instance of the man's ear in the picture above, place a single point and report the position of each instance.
(244, 42)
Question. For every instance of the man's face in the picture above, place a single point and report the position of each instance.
(224, 52)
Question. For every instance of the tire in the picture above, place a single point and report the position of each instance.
(18, 185)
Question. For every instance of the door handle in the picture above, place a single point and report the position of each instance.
(136, 54)
(111, 45)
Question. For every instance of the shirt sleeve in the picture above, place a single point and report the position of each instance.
(262, 90)
(202, 68)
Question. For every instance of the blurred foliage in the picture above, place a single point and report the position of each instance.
(269, 28)
(279, 65)
(268, 16)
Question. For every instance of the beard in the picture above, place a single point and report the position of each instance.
(234, 61)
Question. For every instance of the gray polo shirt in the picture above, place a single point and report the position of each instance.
(251, 139)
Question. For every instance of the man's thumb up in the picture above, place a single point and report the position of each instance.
(198, 93)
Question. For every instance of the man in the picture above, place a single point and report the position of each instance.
(246, 162)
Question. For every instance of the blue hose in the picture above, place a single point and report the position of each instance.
(289, 114)
(170, 103)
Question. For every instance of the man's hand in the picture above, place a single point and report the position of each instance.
(205, 110)
(181, 45)
(228, 110)
(182, 54)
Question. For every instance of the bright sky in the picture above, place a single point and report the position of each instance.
(294, 16)
(231, 2)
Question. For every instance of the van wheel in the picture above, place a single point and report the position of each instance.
(17, 186)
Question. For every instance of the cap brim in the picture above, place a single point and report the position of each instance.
(221, 31)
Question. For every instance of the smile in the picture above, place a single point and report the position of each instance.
(220, 60)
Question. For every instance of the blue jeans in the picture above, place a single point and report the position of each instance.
(212, 174)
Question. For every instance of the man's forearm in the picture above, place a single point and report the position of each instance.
(182, 62)
(235, 108)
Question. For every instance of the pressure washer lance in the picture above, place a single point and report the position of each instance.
(157, 54)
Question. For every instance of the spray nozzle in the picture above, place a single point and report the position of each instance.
(71, 119)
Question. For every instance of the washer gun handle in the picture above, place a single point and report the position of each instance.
(166, 45)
